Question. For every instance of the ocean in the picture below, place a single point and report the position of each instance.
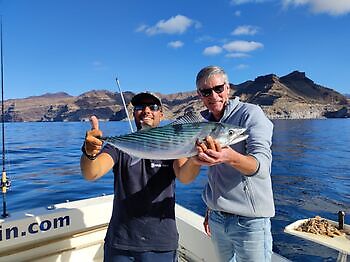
(310, 174)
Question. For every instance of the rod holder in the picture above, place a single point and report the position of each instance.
(341, 218)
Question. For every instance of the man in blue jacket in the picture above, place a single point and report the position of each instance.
(239, 191)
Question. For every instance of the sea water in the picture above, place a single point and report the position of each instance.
(310, 174)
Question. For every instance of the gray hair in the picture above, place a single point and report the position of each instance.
(208, 71)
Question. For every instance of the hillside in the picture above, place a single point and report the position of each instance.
(293, 96)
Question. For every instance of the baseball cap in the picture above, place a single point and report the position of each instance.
(139, 99)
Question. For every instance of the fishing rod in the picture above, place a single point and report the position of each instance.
(125, 108)
(5, 183)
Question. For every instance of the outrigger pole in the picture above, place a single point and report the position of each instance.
(4, 182)
(125, 108)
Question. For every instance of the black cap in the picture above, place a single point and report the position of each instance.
(139, 99)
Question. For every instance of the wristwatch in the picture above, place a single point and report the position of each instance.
(90, 157)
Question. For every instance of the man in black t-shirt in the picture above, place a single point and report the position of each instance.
(142, 226)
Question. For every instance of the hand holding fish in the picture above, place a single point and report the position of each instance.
(211, 153)
(92, 144)
(208, 143)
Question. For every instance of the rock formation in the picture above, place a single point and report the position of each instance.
(293, 96)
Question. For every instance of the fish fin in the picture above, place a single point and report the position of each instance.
(134, 160)
(239, 139)
(188, 117)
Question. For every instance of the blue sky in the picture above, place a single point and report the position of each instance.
(78, 45)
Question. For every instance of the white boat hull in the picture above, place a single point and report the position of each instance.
(75, 231)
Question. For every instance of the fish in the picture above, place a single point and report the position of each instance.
(175, 140)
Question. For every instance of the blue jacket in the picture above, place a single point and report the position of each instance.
(229, 190)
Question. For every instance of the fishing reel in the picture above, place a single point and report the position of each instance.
(5, 184)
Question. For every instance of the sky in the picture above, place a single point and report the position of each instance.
(75, 46)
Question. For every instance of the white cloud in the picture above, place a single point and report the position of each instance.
(245, 30)
(242, 46)
(204, 38)
(241, 2)
(174, 25)
(331, 7)
(237, 13)
(141, 28)
(241, 66)
(212, 50)
(98, 65)
(335, 7)
(176, 44)
(237, 55)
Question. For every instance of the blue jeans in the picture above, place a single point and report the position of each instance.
(238, 239)
(119, 255)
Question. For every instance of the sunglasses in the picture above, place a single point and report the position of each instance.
(208, 91)
(153, 108)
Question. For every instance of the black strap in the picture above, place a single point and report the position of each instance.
(90, 157)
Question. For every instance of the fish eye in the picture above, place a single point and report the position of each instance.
(231, 132)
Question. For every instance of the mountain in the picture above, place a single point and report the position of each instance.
(293, 96)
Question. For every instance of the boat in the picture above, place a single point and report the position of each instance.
(75, 231)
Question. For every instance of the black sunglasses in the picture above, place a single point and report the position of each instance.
(153, 108)
(208, 91)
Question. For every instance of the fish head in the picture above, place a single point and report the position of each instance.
(227, 134)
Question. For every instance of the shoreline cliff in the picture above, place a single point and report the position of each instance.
(293, 96)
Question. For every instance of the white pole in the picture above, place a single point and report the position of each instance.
(126, 110)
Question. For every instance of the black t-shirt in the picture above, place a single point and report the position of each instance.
(143, 217)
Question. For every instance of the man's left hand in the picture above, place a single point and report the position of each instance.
(210, 152)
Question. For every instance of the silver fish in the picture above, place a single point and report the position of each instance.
(175, 140)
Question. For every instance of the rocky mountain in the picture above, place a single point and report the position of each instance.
(293, 96)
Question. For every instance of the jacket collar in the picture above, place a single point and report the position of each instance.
(229, 107)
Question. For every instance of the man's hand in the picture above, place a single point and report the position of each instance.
(208, 143)
(92, 144)
(210, 152)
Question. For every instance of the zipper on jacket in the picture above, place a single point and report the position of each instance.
(248, 191)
